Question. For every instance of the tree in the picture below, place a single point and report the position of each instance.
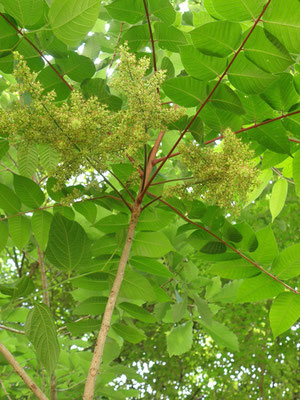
(147, 154)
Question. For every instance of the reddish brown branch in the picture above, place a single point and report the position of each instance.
(257, 125)
(151, 36)
(207, 98)
(226, 244)
(37, 50)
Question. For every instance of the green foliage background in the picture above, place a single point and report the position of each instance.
(206, 322)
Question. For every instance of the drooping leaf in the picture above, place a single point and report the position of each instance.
(223, 336)
(217, 39)
(40, 222)
(272, 136)
(180, 339)
(150, 266)
(247, 77)
(77, 67)
(8, 36)
(199, 65)
(238, 10)
(185, 91)
(3, 234)
(93, 306)
(9, 201)
(278, 197)
(258, 288)
(97, 281)
(113, 223)
(88, 209)
(169, 37)
(126, 10)
(284, 312)
(296, 171)
(40, 330)
(27, 12)
(51, 81)
(27, 160)
(287, 264)
(68, 246)
(71, 21)
(234, 269)
(281, 19)
(267, 248)
(151, 244)
(28, 191)
(136, 286)
(129, 333)
(163, 10)
(19, 230)
(137, 312)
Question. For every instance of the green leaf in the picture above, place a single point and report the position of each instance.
(247, 77)
(154, 219)
(68, 246)
(282, 20)
(97, 281)
(27, 160)
(203, 310)
(79, 328)
(136, 37)
(265, 51)
(278, 197)
(168, 37)
(238, 10)
(126, 10)
(97, 87)
(296, 172)
(281, 95)
(113, 223)
(49, 157)
(136, 286)
(106, 245)
(31, 56)
(223, 336)
(151, 244)
(287, 264)
(8, 36)
(28, 191)
(163, 10)
(71, 21)
(137, 312)
(4, 146)
(27, 12)
(87, 209)
(224, 97)
(180, 339)
(199, 65)
(234, 269)
(23, 287)
(272, 136)
(267, 248)
(185, 91)
(77, 67)
(41, 221)
(9, 202)
(51, 81)
(40, 330)
(263, 181)
(91, 306)
(129, 333)
(217, 39)
(228, 293)
(284, 312)
(19, 229)
(258, 288)
(3, 234)
(150, 266)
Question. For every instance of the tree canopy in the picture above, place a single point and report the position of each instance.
(149, 199)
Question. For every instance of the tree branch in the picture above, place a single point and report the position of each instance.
(43, 277)
(21, 372)
(5, 391)
(226, 244)
(36, 49)
(7, 328)
(106, 321)
(151, 37)
(208, 97)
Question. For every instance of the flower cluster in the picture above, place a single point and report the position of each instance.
(223, 175)
(85, 133)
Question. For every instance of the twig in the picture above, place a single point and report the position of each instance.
(7, 328)
(257, 125)
(151, 37)
(208, 97)
(122, 184)
(36, 49)
(21, 372)
(62, 328)
(5, 391)
(226, 244)
(281, 175)
(43, 277)
(116, 47)
(150, 202)
(172, 180)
